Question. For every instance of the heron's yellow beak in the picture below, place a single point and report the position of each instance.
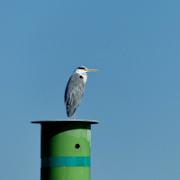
(91, 70)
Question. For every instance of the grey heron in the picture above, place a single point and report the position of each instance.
(75, 89)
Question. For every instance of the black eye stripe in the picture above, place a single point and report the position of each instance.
(82, 67)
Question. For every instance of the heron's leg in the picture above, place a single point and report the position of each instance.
(72, 117)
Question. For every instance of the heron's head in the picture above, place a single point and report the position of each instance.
(84, 70)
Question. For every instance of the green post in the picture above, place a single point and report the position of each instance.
(65, 149)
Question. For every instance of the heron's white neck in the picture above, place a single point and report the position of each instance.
(83, 74)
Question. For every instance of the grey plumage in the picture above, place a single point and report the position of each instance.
(75, 89)
(73, 93)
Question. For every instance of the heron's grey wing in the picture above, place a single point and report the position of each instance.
(73, 93)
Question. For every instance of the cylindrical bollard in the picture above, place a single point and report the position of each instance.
(65, 149)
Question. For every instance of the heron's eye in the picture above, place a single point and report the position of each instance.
(81, 77)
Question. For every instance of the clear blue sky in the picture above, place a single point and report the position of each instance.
(135, 95)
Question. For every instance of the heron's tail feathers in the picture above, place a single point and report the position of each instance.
(70, 111)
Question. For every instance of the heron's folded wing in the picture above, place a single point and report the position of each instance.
(73, 93)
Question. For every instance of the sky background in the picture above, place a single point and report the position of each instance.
(135, 96)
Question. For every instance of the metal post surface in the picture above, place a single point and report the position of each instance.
(65, 149)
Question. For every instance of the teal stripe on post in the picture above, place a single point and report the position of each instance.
(68, 161)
